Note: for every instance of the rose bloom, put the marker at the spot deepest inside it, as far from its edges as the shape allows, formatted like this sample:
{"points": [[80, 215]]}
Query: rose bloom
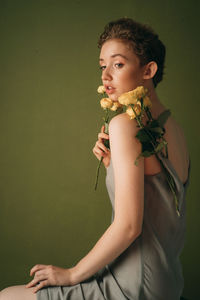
{"points": [[130, 112], [128, 98], [101, 89], [106, 103], [115, 106], [147, 101], [140, 91]]}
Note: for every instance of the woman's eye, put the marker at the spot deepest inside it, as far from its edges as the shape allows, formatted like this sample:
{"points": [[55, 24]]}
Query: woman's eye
{"points": [[102, 67], [119, 65]]}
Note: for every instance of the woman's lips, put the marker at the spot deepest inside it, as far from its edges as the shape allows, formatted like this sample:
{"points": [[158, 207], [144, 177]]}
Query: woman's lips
{"points": [[110, 90]]}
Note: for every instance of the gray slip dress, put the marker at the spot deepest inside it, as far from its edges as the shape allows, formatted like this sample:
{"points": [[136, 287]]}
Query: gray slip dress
{"points": [[149, 269]]}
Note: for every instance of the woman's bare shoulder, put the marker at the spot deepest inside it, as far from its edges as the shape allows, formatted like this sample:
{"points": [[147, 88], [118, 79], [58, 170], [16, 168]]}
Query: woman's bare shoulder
{"points": [[118, 117], [123, 122], [122, 132]]}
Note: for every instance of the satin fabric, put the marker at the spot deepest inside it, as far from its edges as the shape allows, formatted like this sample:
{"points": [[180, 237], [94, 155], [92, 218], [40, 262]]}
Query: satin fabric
{"points": [[149, 269]]}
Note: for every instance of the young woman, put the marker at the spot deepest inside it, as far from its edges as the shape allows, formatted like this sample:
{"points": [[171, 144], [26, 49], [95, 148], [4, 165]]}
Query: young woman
{"points": [[138, 255]]}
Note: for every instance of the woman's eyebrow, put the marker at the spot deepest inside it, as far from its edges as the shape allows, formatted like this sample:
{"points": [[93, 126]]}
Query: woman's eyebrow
{"points": [[114, 55]]}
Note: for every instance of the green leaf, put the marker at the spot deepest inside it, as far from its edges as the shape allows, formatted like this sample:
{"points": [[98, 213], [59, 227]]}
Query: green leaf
{"points": [[147, 147], [156, 129], [146, 153], [154, 124], [160, 146], [162, 118], [142, 136]]}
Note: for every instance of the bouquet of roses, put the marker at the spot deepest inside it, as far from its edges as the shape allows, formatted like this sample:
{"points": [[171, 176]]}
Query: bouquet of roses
{"points": [[136, 104]]}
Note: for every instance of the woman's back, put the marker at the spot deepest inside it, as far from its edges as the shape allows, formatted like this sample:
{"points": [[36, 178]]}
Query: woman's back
{"points": [[177, 148]]}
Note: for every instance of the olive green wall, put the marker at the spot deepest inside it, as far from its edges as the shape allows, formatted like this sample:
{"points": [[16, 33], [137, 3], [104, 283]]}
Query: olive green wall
{"points": [[50, 117]]}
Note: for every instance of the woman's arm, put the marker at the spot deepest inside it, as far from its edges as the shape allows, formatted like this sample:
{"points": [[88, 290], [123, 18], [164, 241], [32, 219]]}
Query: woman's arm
{"points": [[129, 200]]}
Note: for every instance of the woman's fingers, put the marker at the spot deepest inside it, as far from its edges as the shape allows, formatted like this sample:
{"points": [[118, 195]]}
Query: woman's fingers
{"points": [[102, 147], [33, 282], [41, 285], [36, 268], [100, 153], [39, 276], [49, 275], [102, 135], [102, 128]]}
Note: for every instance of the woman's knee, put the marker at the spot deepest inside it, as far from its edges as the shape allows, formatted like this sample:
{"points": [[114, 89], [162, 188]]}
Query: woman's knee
{"points": [[18, 292], [6, 293]]}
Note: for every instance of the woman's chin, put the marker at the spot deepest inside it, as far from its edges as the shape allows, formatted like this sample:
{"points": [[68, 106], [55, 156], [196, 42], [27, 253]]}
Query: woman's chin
{"points": [[113, 98]]}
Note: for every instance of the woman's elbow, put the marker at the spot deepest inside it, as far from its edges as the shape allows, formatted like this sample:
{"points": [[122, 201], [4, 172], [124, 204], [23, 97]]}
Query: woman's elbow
{"points": [[134, 233], [130, 231]]}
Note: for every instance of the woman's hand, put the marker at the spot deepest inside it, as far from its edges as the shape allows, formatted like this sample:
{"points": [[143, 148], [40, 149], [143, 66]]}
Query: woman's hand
{"points": [[47, 275], [100, 149]]}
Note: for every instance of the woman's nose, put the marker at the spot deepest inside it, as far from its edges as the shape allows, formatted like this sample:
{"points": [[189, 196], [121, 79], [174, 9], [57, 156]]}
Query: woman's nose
{"points": [[106, 74]]}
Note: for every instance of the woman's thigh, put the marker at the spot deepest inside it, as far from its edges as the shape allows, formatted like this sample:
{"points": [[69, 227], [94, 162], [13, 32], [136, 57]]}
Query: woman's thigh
{"points": [[18, 292]]}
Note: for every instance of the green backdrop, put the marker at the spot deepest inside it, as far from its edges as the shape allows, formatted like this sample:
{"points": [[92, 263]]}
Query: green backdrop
{"points": [[50, 117]]}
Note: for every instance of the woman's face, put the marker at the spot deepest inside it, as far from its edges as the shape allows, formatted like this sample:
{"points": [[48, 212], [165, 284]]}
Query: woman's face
{"points": [[121, 71]]}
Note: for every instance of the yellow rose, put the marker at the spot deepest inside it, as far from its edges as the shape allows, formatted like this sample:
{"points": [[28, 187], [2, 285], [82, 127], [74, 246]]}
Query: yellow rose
{"points": [[140, 91], [101, 89], [106, 103], [130, 112], [128, 98], [147, 101], [131, 97], [115, 106], [139, 103]]}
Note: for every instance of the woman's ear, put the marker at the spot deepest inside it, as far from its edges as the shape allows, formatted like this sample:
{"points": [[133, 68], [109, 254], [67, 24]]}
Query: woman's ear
{"points": [[150, 70]]}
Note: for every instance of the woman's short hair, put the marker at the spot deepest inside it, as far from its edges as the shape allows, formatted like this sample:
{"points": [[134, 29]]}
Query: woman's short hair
{"points": [[144, 41]]}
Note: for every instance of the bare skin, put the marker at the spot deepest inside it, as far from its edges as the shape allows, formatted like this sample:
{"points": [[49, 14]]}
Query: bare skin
{"points": [[18, 292]]}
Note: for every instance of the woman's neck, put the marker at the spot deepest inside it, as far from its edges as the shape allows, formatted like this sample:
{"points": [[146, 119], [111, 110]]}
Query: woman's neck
{"points": [[157, 106]]}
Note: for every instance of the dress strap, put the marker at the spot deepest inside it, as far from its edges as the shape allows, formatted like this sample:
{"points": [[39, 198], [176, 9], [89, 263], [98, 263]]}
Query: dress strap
{"points": [[167, 163], [180, 186]]}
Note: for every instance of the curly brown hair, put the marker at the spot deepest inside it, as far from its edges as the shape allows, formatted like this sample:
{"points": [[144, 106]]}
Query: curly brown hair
{"points": [[144, 41]]}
